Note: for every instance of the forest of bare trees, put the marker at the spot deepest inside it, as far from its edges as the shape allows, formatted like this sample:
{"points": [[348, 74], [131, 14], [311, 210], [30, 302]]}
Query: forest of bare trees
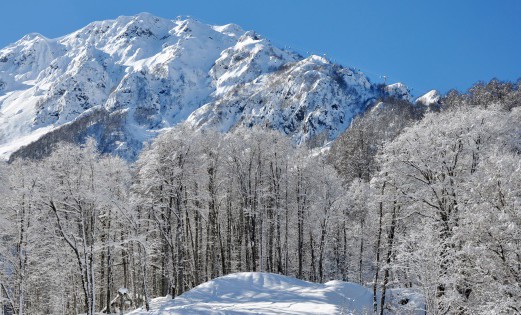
{"points": [[408, 196]]}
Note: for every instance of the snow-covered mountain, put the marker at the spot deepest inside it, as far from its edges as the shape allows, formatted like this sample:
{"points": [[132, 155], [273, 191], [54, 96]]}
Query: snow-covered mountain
{"points": [[265, 293], [122, 81]]}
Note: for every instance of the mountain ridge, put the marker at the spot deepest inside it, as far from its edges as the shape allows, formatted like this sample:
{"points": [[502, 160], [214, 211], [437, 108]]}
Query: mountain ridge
{"points": [[156, 73]]}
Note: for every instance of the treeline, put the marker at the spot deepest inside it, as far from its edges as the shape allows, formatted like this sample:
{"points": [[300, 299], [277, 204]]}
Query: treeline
{"points": [[76, 226], [408, 196], [504, 94], [444, 197]]}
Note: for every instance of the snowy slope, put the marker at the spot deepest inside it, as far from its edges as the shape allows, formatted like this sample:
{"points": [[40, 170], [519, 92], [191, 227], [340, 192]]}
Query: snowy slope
{"points": [[264, 293], [158, 72]]}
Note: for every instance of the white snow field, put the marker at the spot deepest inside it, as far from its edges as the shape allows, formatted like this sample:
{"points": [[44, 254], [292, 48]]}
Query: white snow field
{"points": [[266, 293]]}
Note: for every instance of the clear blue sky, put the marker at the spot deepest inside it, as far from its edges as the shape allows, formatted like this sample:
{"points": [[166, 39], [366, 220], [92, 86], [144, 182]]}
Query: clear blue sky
{"points": [[425, 44]]}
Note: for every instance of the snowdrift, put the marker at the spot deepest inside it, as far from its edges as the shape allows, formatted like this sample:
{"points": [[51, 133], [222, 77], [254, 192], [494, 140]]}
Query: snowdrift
{"points": [[265, 293]]}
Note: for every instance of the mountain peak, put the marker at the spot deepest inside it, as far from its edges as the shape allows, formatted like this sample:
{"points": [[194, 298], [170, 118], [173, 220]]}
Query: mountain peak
{"points": [[316, 59], [33, 36], [399, 90], [142, 17], [133, 76], [147, 16], [233, 30], [429, 98]]}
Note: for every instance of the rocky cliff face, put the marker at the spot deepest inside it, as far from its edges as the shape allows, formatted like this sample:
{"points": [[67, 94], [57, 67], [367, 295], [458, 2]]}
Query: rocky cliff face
{"points": [[143, 74]]}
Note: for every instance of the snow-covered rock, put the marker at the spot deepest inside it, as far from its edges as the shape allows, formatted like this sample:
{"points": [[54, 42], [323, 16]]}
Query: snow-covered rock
{"points": [[265, 293], [154, 73], [399, 90], [432, 97], [123, 291]]}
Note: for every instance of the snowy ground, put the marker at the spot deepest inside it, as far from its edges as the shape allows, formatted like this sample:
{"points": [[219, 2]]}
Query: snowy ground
{"points": [[264, 293]]}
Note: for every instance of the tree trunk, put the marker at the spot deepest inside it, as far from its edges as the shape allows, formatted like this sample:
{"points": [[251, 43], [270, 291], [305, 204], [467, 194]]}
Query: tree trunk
{"points": [[390, 241], [378, 242]]}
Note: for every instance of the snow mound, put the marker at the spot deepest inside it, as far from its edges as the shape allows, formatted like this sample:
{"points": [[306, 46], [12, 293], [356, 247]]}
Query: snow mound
{"points": [[265, 293]]}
